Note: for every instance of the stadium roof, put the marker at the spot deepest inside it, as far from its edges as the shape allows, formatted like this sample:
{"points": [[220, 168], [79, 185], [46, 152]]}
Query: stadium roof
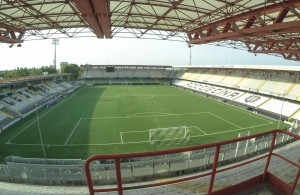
{"points": [[259, 26], [18, 80]]}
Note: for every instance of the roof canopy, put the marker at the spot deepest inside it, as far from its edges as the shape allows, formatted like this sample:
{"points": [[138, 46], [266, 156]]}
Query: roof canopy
{"points": [[259, 26]]}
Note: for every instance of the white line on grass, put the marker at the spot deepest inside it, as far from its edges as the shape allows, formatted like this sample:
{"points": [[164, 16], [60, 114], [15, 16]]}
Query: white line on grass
{"points": [[119, 143], [225, 120], [121, 133], [26, 127], [72, 131], [136, 114], [134, 131], [235, 108], [199, 129], [222, 132], [161, 115]]}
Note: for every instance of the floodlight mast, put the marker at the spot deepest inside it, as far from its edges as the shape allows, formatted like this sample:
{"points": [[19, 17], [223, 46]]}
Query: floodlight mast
{"points": [[280, 116], [55, 42], [190, 46], [39, 128]]}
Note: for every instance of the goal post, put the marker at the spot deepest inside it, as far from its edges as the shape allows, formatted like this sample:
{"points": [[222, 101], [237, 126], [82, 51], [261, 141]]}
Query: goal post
{"points": [[169, 135]]}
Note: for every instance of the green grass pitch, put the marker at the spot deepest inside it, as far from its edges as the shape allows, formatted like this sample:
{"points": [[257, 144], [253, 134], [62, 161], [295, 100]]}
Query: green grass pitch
{"points": [[117, 119]]}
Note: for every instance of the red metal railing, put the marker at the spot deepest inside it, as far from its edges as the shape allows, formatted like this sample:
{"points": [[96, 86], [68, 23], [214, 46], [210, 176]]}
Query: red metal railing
{"points": [[272, 179]]}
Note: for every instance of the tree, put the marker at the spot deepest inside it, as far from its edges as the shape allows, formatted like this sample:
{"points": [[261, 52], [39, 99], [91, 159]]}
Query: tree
{"points": [[71, 68], [50, 69], [35, 72]]}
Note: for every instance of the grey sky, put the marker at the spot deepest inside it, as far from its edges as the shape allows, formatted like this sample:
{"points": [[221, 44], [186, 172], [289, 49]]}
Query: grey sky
{"points": [[126, 51]]}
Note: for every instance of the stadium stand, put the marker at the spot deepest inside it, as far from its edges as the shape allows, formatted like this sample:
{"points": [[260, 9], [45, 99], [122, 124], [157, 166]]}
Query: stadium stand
{"points": [[216, 78], [275, 87], [282, 107], [294, 92], [221, 84], [128, 75], [264, 82], [231, 80], [16, 104], [268, 105]]}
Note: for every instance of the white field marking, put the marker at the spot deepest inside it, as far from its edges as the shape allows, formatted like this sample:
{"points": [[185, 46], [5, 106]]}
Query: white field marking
{"points": [[222, 132], [121, 133], [26, 127], [199, 129], [121, 137], [225, 120], [116, 96], [169, 139], [115, 117], [133, 131], [119, 143], [116, 143], [136, 114], [72, 131], [236, 108]]}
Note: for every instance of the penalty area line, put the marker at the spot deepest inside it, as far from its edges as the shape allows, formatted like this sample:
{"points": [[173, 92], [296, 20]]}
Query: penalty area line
{"points": [[72, 132], [199, 129]]}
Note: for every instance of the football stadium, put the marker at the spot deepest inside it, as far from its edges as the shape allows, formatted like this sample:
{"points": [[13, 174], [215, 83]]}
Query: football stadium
{"points": [[150, 129]]}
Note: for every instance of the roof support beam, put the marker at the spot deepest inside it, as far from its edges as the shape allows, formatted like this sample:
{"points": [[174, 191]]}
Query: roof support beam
{"points": [[258, 12], [257, 31], [11, 35], [174, 5], [291, 51], [86, 8], [101, 8]]}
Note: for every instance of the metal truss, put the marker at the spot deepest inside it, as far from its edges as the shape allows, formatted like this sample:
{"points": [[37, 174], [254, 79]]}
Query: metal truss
{"points": [[273, 29], [260, 26]]}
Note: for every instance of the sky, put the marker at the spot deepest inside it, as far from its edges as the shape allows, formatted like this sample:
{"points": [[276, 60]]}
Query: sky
{"points": [[128, 51]]}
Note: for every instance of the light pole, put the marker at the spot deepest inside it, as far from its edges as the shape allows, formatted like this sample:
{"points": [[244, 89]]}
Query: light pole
{"points": [[39, 128], [280, 117], [55, 42], [190, 46]]}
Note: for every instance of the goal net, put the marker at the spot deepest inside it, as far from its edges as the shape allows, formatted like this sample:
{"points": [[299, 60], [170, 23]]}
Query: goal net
{"points": [[169, 135]]}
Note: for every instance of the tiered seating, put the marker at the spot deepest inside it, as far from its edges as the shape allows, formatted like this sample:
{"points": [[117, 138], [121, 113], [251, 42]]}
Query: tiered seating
{"points": [[186, 75], [216, 78], [157, 74], [273, 106], [34, 97], [209, 89], [4, 118], [141, 73], [66, 85], [252, 100], [203, 77], [233, 79], [250, 83], [275, 87], [46, 90], [126, 73], [15, 103], [279, 107], [194, 76], [56, 86], [295, 91], [178, 74], [20, 102]]}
